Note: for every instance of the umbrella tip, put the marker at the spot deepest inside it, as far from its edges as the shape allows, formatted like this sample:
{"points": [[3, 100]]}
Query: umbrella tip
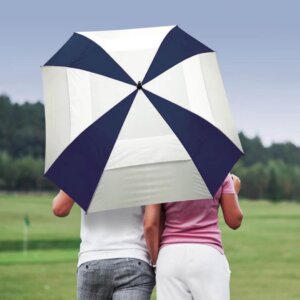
{"points": [[139, 85]]}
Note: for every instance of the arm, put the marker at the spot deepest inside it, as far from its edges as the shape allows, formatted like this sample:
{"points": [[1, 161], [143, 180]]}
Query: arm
{"points": [[62, 204], [232, 211], [152, 229]]}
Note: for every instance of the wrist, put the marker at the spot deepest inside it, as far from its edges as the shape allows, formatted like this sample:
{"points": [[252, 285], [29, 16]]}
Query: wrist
{"points": [[153, 265]]}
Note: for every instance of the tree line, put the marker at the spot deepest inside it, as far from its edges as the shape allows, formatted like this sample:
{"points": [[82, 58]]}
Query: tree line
{"points": [[269, 172], [266, 172]]}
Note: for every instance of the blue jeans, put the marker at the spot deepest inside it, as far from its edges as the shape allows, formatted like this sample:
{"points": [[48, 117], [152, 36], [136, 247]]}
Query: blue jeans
{"points": [[115, 279]]}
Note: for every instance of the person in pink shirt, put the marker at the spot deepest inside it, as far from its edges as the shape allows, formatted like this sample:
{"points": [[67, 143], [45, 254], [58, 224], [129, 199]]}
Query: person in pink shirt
{"points": [[184, 241]]}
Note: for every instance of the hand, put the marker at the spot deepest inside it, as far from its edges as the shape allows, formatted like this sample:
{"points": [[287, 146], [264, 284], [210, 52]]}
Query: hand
{"points": [[62, 204], [236, 182]]}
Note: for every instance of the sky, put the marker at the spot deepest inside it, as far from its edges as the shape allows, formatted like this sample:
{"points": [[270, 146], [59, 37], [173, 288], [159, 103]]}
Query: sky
{"points": [[257, 45]]}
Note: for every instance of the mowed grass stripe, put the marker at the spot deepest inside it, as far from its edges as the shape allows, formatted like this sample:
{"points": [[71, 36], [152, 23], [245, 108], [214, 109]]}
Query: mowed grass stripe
{"points": [[39, 244]]}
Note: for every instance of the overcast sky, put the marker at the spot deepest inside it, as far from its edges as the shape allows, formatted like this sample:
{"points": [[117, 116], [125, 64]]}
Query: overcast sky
{"points": [[257, 44]]}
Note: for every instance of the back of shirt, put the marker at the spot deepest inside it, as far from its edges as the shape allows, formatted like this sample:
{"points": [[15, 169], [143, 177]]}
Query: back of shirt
{"points": [[195, 221], [112, 234]]}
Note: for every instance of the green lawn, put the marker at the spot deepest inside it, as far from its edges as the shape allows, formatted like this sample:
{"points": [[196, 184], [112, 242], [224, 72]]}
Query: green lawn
{"points": [[264, 254]]}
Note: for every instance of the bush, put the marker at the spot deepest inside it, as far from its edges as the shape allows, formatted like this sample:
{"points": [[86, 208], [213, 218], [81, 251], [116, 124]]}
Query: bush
{"points": [[22, 174]]}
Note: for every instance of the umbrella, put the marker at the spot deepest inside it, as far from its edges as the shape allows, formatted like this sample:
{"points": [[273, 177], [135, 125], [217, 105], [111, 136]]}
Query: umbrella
{"points": [[136, 116]]}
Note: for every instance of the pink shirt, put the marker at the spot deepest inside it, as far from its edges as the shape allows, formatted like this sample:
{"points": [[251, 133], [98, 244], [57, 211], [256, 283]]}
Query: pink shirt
{"points": [[195, 221]]}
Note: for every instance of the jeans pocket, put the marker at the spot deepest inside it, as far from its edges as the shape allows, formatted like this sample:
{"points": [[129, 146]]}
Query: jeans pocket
{"points": [[147, 270]]}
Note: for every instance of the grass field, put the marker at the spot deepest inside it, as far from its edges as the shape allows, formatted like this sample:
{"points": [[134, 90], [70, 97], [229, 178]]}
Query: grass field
{"points": [[264, 254]]}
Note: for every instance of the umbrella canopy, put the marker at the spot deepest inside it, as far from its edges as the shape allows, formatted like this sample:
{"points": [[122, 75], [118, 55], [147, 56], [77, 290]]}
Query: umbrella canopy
{"points": [[135, 117]]}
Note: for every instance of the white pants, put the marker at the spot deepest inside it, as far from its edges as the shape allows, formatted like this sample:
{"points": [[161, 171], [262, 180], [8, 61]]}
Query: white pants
{"points": [[192, 271]]}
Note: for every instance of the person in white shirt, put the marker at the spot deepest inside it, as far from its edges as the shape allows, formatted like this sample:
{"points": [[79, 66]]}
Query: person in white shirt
{"points": [[113, 258]]}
